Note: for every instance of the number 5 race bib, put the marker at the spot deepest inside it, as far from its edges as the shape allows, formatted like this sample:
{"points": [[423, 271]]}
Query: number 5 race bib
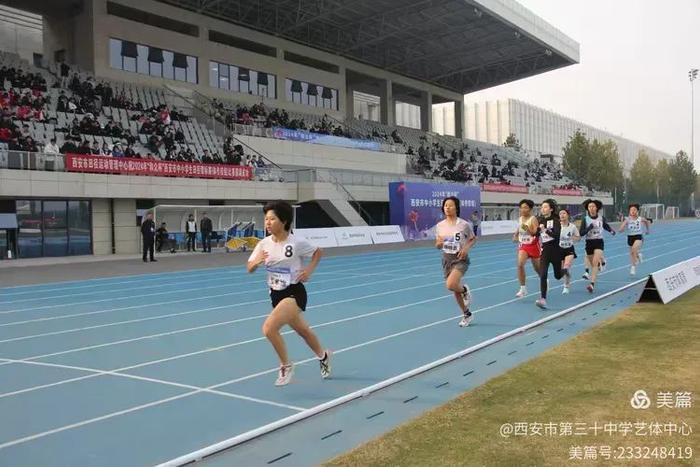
{"points": [[450, 246], [279, 278]]}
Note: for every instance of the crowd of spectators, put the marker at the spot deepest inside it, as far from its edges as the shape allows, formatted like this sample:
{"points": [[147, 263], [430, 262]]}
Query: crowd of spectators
{"points": [[260, 115]]}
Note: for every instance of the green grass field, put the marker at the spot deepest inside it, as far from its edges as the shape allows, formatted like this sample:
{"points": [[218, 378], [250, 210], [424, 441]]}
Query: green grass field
{"points": [[588, 379]]}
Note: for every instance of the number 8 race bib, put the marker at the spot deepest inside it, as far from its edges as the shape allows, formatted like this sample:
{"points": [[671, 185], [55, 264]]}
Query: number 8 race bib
{"points": [[279, 278]]}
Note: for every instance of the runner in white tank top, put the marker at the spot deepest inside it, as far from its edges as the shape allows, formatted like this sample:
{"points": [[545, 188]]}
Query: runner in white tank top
{"points": [[455, 237], [635, 225], [568, 236]]}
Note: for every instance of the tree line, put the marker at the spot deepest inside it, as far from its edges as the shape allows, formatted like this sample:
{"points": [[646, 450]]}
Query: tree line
{"points": [[597, 165]]}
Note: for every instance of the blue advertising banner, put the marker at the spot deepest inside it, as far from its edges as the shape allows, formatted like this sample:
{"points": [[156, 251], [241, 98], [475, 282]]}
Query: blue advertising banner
{"points": [[329, 140], [417, 207]]}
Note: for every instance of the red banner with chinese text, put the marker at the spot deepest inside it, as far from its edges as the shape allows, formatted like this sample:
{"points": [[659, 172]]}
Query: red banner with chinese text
{"points": [[157, 168]]}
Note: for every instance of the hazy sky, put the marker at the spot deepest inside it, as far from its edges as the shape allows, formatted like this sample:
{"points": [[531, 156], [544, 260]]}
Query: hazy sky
{"points": [[633, 76]]}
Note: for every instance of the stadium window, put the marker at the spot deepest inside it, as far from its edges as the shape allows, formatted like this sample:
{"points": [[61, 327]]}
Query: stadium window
{"points": [[152, 61], [310, 94], [223, 77], [243, 80]]}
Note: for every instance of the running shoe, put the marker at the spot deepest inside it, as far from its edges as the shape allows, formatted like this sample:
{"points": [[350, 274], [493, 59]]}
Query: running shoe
{"points": [[589, 287], [542, 303], [325, 364], [633, 271], [285, 374], [565, 290], [522, 292], [466, 319], [586, 276]]}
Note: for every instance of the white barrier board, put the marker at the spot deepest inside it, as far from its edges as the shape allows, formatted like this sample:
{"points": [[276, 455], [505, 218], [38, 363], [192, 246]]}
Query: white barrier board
{"points": [[498, 227], [321, 238], [386, 234], [676, 280], [349, 236]]}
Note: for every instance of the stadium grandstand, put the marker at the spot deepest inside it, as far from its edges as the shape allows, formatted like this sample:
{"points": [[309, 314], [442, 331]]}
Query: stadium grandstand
{"points": [[219, 83]]}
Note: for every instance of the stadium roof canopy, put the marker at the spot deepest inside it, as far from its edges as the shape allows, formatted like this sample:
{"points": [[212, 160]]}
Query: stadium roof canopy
{"points": [[460, 45]]}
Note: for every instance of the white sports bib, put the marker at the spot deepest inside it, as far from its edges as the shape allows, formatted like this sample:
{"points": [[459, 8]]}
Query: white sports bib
{"points": [[279, 278]]}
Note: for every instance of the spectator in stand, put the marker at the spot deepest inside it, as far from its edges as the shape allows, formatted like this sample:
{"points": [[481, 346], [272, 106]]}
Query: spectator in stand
{"points": [[84, 148], [104, 151], [69, 147], [117, 151], [95, 149], [52, 147]]}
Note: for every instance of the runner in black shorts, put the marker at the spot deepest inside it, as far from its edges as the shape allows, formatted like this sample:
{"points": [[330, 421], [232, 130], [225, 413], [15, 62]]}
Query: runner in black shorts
{"points": [[568, 236], [635, 224], [282, 254]]}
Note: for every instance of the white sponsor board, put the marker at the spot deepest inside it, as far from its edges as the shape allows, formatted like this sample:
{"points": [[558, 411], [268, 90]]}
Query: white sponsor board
{"points": [[349, 236], [498, 227], [322, 238], [676, 280], [386, 234]]}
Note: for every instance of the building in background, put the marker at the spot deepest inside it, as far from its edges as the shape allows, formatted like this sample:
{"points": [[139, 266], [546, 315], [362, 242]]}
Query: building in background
{"points": [[541, 130]]}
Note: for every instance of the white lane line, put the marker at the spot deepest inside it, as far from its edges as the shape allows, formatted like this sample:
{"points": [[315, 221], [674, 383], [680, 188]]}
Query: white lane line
{"points": [[95, 372], [233, 271], [390, 265], [235, 344], [162, 401]]}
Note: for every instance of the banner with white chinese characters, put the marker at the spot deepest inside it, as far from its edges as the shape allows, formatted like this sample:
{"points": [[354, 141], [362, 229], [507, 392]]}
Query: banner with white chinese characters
{"points": [[157, 168], [417, 207], [676, 280], [321, 238], [328, 140]]}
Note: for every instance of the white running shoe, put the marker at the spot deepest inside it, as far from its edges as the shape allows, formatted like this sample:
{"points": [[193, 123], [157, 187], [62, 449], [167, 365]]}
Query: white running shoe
{"points": [[586, 276], [466, 319], [633, 271], [285, 374], [565, 290], [522, 292], [466, 296], [542, 303], [325, 365]]}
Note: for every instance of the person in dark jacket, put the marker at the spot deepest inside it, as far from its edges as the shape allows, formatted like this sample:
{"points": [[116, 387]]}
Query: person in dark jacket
{"points": [[148, 232], [205, 227]]}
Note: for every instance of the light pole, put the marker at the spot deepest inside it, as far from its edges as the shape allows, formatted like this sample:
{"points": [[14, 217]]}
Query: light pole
{"points": [[692, 75]]}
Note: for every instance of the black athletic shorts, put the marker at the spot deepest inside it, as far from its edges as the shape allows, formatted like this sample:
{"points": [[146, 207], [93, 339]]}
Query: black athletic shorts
{"points": [[595, 244], [568, 251], [633, 238], [296, 291]]}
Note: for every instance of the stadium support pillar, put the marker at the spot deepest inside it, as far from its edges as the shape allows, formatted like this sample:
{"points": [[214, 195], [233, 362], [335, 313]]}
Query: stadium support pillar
{"points": [[349, 101], [126, 233], [459, 118], [387, 104], [426, 111]]}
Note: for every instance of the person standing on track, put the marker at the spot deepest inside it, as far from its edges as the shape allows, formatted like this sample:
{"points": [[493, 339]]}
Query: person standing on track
{"points": [[635, 225], [282, 254], [550, 229], [455, 237], [527, 237], [567, 237], [592, 226], [148, 236]]}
